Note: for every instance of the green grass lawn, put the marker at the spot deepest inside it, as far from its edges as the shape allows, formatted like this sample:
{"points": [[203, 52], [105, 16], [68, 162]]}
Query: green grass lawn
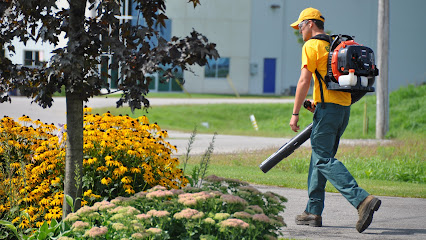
{"points": [[407, 117], [397, 169]]}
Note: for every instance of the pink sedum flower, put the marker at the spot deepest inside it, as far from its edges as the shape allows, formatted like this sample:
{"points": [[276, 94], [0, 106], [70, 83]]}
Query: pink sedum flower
{"points": [[143, 216], [154, 230], [104, 205], [234, 223], [79, 225], [242, 215], [261, 218], [159, 194], [155, 213], [96, 232], [139, 236], [188, 213], [231, 199]]}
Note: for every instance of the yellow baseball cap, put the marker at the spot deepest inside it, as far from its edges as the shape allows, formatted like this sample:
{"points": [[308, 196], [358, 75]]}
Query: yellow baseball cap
{"points": [[308, 13]]}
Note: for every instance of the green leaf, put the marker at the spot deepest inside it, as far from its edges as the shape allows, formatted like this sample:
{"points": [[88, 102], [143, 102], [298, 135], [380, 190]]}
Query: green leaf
{"points": [[44, 227], [53, 223], [10, 226], [42, 236], [70, 202]]}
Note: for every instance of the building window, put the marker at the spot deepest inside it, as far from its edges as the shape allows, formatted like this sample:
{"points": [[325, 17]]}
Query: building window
{"points": [[217, 68], [110, 71], [32, 58], [126, 8]]}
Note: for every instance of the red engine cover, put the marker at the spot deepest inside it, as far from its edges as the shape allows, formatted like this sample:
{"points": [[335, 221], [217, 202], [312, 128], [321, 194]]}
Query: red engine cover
{"points": [[334, 66]]}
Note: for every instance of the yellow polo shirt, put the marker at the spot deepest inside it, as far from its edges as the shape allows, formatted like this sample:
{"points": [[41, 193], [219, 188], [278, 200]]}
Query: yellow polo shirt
{"points": [[315, 56]]}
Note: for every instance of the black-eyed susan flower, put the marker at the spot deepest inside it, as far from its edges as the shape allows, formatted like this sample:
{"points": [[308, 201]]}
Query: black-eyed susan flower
{"points": [[135, 170], [123, 150], [126, 180], [106, 181], [102, 169]]}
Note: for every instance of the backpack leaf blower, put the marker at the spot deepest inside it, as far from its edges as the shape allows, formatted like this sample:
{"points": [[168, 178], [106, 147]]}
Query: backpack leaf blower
{"points": [[350, 68]]}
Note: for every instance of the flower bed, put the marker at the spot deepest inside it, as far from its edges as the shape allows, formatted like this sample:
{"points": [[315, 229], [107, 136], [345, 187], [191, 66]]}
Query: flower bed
{"points": [[221, 209], [122, 156]]}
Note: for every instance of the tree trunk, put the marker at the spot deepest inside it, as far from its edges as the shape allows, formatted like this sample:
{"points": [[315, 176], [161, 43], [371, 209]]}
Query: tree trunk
{"points": [[74, 102], [382, 107], [74, 151]]}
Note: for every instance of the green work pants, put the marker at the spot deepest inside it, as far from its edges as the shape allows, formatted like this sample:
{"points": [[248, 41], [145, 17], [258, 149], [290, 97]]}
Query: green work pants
{"points": [[328, 126]]}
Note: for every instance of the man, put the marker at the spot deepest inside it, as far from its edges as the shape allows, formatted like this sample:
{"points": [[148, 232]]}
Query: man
{"points": [[330, 119]]}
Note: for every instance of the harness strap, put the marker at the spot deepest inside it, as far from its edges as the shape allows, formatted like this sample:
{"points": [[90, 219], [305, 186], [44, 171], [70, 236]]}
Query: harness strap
{"points": [[320, 80], [328, 39]]}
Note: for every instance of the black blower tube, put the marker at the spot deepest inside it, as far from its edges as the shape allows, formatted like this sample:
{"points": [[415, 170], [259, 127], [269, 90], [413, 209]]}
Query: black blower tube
{"points": [[286, 149]]}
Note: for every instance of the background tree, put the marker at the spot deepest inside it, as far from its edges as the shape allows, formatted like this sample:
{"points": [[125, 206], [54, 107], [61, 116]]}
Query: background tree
{"points": [[138, 51]]}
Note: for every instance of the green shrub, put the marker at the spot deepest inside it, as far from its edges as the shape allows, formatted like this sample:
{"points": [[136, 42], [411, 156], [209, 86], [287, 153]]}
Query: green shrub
{"points": [[221, 209]]}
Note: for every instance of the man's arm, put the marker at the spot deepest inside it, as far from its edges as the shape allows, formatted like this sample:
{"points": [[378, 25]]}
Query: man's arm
{"points": [[301, 93]]}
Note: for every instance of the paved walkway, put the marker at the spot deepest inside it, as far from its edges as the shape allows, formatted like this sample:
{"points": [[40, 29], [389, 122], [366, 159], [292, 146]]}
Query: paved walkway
{"points": [[398, 218]]}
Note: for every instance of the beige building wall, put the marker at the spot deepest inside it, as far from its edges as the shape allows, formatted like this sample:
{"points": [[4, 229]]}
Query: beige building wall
{"points": [[226, 23]]}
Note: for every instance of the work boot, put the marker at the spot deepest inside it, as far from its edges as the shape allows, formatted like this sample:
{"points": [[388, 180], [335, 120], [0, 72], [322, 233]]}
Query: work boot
{"points": [[365, 211], [309, 219]]}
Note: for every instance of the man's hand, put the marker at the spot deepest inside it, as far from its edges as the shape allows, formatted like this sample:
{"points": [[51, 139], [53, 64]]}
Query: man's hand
{"points": [[293, 123]]}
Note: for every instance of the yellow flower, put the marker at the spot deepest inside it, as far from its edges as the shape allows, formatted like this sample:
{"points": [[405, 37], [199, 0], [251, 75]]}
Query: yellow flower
{"points": [[15, 165], [88, 145], [24, 223], [163, 134], [45, 201], [131, 152], [25, 119], [3, 208], [135, 170], [130, 191], [38, 122], [87, 193], [87, 109], [143, 119], [56, 202], [102, 169], [148, 177], [123, 169], [16, 219], [57, 180], [119, 171], [106, 181], [113, 163], [126, 180], [31, 210], [92, 161], [141, 148]]}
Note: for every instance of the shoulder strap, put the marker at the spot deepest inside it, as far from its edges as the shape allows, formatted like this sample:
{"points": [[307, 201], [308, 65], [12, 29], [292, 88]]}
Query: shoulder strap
{"points": [[323, 37], [326, 38], [320, 80]]}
